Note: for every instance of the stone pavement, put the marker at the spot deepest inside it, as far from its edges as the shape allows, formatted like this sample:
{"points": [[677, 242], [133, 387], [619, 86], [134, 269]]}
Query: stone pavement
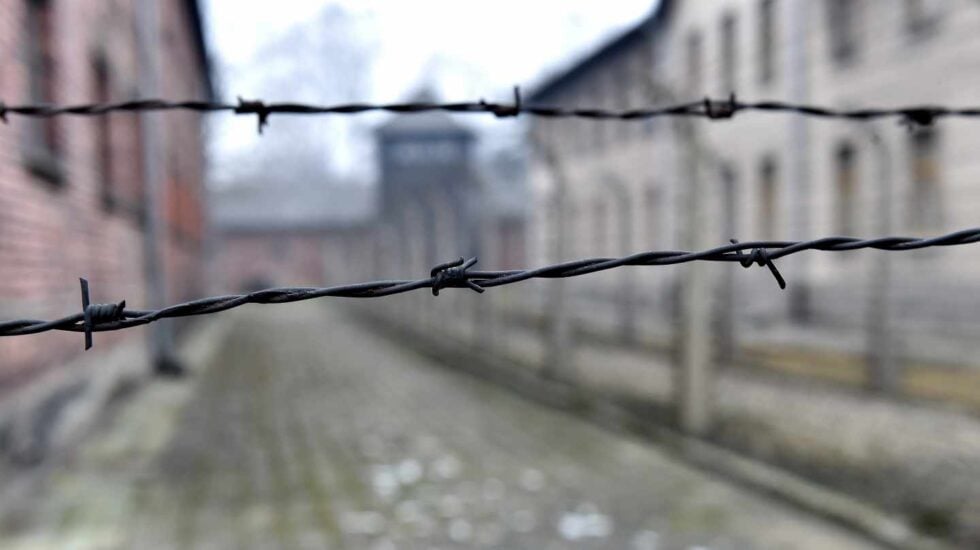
{"points": [[311, 432]]}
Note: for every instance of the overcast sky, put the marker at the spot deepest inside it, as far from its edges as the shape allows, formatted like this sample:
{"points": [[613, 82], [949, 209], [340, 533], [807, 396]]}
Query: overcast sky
{"points": [[471, 49]]}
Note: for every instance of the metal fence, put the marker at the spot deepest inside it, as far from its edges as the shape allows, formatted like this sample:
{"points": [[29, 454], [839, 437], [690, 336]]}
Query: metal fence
{"points": [[458, 274]]}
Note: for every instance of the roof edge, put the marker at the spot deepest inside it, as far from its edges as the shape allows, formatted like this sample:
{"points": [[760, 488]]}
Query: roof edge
{"points": [[638, 31], [203, 59]]}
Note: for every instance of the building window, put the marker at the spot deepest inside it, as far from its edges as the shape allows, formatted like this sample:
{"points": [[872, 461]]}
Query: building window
{"points": [[42, 139], [625, 85], [925, 210], [768, 198], [728, 54], [921, 16], [767, 41], [130, 181], [729, 190], [843, 22], [601, 226], [693, 65], [846, 185], [645, 86], [103, 135], [595, 125], [651, 216]]}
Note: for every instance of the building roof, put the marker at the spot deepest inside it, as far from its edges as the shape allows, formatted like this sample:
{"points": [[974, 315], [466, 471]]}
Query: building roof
{"points": [[594, 58], [291, 206], [203, 58], [429, 122]]}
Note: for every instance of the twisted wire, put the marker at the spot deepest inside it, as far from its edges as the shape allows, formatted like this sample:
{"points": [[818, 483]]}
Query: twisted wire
{"points": [[457, 274], [714, 109]]}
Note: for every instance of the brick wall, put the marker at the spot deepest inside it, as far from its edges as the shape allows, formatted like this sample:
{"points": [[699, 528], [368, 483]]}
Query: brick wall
{"points": [[273, 258], [54, 231]]}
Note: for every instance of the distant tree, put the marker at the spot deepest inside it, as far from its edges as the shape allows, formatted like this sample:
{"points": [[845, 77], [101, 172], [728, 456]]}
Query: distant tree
{"points": [[323, 60]]}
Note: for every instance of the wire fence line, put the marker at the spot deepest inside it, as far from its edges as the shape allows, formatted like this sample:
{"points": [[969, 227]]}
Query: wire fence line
{"points": [[714, 109], [458, 274]]}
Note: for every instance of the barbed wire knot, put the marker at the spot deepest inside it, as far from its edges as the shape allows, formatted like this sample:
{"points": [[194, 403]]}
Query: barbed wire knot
{"points": [[257, 107], [914, 119], [94, 314], [760, 257], [453, 275], [505, 111], [716, 110], [3, 112]]}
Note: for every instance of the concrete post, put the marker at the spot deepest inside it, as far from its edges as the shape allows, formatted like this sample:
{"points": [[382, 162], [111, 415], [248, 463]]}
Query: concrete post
{"points": [[162, 332], [798, 195], [558, 355], [693, 336], [694, 383], [726, 335], [882, 366], [484, 309], [626, 293]]}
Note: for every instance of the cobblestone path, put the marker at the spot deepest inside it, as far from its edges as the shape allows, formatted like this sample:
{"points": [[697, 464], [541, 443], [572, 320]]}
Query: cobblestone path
{"points": [[312, 432]]}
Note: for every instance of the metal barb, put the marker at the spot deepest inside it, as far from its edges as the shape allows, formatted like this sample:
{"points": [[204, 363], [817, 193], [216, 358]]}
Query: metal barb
{"points": [[504, 111], [913, 119], [258, 107], [93, 314], [453, 274], [717, 110], [760, 257]]}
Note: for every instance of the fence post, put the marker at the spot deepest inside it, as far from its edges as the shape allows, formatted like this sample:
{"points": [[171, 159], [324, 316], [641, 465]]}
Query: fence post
{"points": [[484, 320], [882, 367], [694, 381], [163, 359], [558, 334], [726, 337], [627, 277]]}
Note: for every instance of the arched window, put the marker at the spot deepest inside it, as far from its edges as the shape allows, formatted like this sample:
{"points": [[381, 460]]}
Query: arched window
{"points": [[651, 218], [925, 211], [768, 198], [845, 176], [601, 225], [767, 41], [729, 53], [42, 147]]}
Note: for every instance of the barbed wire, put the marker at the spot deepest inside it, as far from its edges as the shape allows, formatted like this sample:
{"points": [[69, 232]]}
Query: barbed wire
{"points": [[714, 109], [458, 274]]}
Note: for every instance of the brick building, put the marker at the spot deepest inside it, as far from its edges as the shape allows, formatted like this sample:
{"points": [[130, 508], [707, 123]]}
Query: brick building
{"points": [[72, 199], [289, 233]]}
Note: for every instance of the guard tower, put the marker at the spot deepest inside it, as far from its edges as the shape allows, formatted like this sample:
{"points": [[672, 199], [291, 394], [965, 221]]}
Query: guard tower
{"points": [[427, 164]]}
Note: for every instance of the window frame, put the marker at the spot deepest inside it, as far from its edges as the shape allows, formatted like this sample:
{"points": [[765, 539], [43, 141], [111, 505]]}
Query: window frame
{"points": [[41, 147], [767, 30]]}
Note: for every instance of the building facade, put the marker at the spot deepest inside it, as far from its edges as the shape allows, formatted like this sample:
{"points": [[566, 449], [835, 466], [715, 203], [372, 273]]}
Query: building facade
{"points": [[428, 183], [289, 233], [768, 176], [72, 190]]}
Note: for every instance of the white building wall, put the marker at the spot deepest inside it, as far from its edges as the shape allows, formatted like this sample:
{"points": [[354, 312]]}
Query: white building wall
{"points": [[891, 67]]}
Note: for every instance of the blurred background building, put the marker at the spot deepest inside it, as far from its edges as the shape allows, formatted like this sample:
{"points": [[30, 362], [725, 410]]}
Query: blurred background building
{"points": [[287, 233], [767, 177]]}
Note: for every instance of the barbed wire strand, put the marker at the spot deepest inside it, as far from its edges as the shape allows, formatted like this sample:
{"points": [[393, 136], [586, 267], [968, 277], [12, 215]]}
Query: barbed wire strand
{"points": [[457, 274], [714, 109]]}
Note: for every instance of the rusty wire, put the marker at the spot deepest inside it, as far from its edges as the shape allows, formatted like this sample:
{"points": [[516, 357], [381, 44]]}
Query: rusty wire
{"points": [[457, 274], [714, 109]]}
